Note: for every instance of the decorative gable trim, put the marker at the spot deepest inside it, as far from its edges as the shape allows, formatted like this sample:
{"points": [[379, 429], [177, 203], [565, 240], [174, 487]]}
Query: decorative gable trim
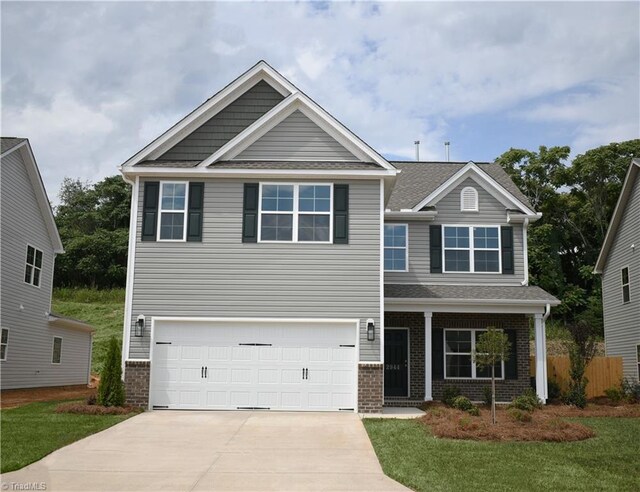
{"points": [[471, 169], [31, 166], [261, 71], [297, 102], [627, 187]]}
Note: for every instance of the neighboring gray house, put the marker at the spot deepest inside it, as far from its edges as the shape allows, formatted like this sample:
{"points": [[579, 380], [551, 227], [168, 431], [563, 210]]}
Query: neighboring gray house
{"points": [[277, 261], [38, 348], [619, 265]]}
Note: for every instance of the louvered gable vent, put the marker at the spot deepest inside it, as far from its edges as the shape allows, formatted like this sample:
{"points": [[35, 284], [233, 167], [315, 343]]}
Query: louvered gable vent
{"points": [[469, 199]]}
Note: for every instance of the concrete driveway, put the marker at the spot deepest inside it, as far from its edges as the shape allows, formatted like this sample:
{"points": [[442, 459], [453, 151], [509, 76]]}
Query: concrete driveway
{"points": [[240, 451]]}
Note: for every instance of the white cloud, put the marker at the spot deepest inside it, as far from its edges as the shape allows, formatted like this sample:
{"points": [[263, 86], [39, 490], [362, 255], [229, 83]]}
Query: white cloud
{"points": [[393, 72]]}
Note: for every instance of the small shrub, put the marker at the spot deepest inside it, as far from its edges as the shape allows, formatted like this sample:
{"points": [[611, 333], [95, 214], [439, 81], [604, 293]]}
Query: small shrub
{"points": [[631, 390], [614, 394], [555, 392], [577, 394], [527, 401], [533, 396], [111, 389], [519, 415], [449, 394], [92, 399], [487, 395], [463, 403]]}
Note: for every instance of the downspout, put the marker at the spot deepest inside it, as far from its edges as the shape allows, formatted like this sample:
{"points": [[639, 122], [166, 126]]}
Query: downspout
{"points": [[525, 247], [547, 312]]}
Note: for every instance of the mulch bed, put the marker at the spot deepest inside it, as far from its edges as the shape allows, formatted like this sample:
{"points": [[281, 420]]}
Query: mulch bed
{"points": [[83, 408], [20, 397], [547, 424]]}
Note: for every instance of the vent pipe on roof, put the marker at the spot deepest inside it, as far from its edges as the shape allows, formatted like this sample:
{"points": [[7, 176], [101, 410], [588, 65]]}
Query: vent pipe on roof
{"points": [[417, 144], [446, 151]]}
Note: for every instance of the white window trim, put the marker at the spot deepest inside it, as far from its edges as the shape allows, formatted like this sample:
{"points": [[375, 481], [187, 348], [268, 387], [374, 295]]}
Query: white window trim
{"points": [[628, 284], [33, 267], [476, 197], [53, 345], [472, 249], [406, 248], [6, 349], [184, 212], [295, 213], [473, 347]]}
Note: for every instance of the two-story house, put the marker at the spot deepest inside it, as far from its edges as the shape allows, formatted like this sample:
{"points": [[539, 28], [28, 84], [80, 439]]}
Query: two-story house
{"points": [[619, 265], [38, 347], [277, 261]]}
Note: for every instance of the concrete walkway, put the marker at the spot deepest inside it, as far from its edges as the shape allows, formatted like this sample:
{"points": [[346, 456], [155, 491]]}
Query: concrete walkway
{"points": [[234, 451]]}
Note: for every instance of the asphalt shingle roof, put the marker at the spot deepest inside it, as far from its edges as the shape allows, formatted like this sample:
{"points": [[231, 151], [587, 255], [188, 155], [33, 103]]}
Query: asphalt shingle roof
{"points": [[477, 292], [417, 180], [346, 165], [7, 143], [179, 164]]}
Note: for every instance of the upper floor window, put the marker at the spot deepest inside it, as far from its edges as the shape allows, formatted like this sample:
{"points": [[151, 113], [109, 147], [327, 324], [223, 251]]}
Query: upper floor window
{"points": [[469, 199], [295, 212], [473, 249], [173, 211], [4, 344], [56, 356], [626, 293], [33, 268], [395, 247]]}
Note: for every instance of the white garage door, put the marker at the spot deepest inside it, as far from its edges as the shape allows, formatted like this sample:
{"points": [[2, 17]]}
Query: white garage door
{"points": [[222, 365]]}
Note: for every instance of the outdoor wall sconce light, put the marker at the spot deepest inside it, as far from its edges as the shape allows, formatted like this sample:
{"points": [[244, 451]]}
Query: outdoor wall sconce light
{"points": [[371, 330], [140, 326]]}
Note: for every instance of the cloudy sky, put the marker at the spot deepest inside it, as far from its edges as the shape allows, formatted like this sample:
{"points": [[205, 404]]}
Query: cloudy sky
{"points": [[91, 83]]}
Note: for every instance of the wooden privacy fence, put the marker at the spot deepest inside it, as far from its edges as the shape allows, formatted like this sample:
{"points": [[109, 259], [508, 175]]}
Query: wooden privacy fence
{"points": [[602, 373]]}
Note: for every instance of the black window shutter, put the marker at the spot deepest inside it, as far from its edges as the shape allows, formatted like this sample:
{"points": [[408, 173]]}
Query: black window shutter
{"points": [[250, 213], [437, 352], [341, 214], [150, 210], [435, 247], [507, 250], [511, 365], [194, 221]]}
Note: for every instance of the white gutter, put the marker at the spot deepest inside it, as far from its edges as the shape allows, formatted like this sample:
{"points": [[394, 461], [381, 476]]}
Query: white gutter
{"points": [[256, 173], [449, 301]]}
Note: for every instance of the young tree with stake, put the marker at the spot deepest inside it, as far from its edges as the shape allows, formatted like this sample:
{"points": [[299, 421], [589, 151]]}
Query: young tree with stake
{"points": [[492, 347]]}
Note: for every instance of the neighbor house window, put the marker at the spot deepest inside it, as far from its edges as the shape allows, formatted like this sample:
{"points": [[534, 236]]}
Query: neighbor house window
{"points": [[626, 293], [469, 199], [33, 268], [459, 346], [474, 249], [395, 247], [295, 213], [173, 212], [4, 344], [57, 350]]}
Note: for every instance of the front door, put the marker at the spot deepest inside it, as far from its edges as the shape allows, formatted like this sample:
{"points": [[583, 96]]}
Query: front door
{"points": [[396, 362]]}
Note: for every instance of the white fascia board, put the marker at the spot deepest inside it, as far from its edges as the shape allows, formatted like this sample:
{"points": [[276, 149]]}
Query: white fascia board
{"points": [[33, 172], [298, 102], [491, 186], [70, 324], [522, 218], [616, 218], [467, 302], [260, 71], [470, 308], [197, 172]]}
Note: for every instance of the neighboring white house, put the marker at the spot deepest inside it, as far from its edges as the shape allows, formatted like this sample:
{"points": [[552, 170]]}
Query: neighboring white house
{"points": [[619, 264], [39, 348]]}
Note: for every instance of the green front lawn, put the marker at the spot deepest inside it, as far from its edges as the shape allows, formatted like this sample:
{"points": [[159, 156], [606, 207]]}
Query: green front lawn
{"points": [[33, 431], [412, 456]]}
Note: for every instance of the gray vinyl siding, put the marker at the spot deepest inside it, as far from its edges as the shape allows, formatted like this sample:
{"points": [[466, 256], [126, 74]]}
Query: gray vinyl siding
{"points": [[225, 125], [296, 138], [622, 321], [24, 307], [223, 277], [491, 212]]}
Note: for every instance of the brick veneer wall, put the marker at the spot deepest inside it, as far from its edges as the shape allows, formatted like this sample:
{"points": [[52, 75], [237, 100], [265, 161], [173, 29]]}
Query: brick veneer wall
{"points": [[415, 323], [370, 388], [136, 382], [474, 389]]}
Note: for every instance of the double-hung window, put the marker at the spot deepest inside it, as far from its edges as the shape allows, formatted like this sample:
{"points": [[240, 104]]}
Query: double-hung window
{"points": [[4, 345], [56, 356], [459, 346], [395, 247], [473, 249], [295, 212], [626, 292], [33, 268], [173, 211]]}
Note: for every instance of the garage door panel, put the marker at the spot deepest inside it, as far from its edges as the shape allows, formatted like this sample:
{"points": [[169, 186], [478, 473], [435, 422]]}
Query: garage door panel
{"points": [[254, 375]]}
